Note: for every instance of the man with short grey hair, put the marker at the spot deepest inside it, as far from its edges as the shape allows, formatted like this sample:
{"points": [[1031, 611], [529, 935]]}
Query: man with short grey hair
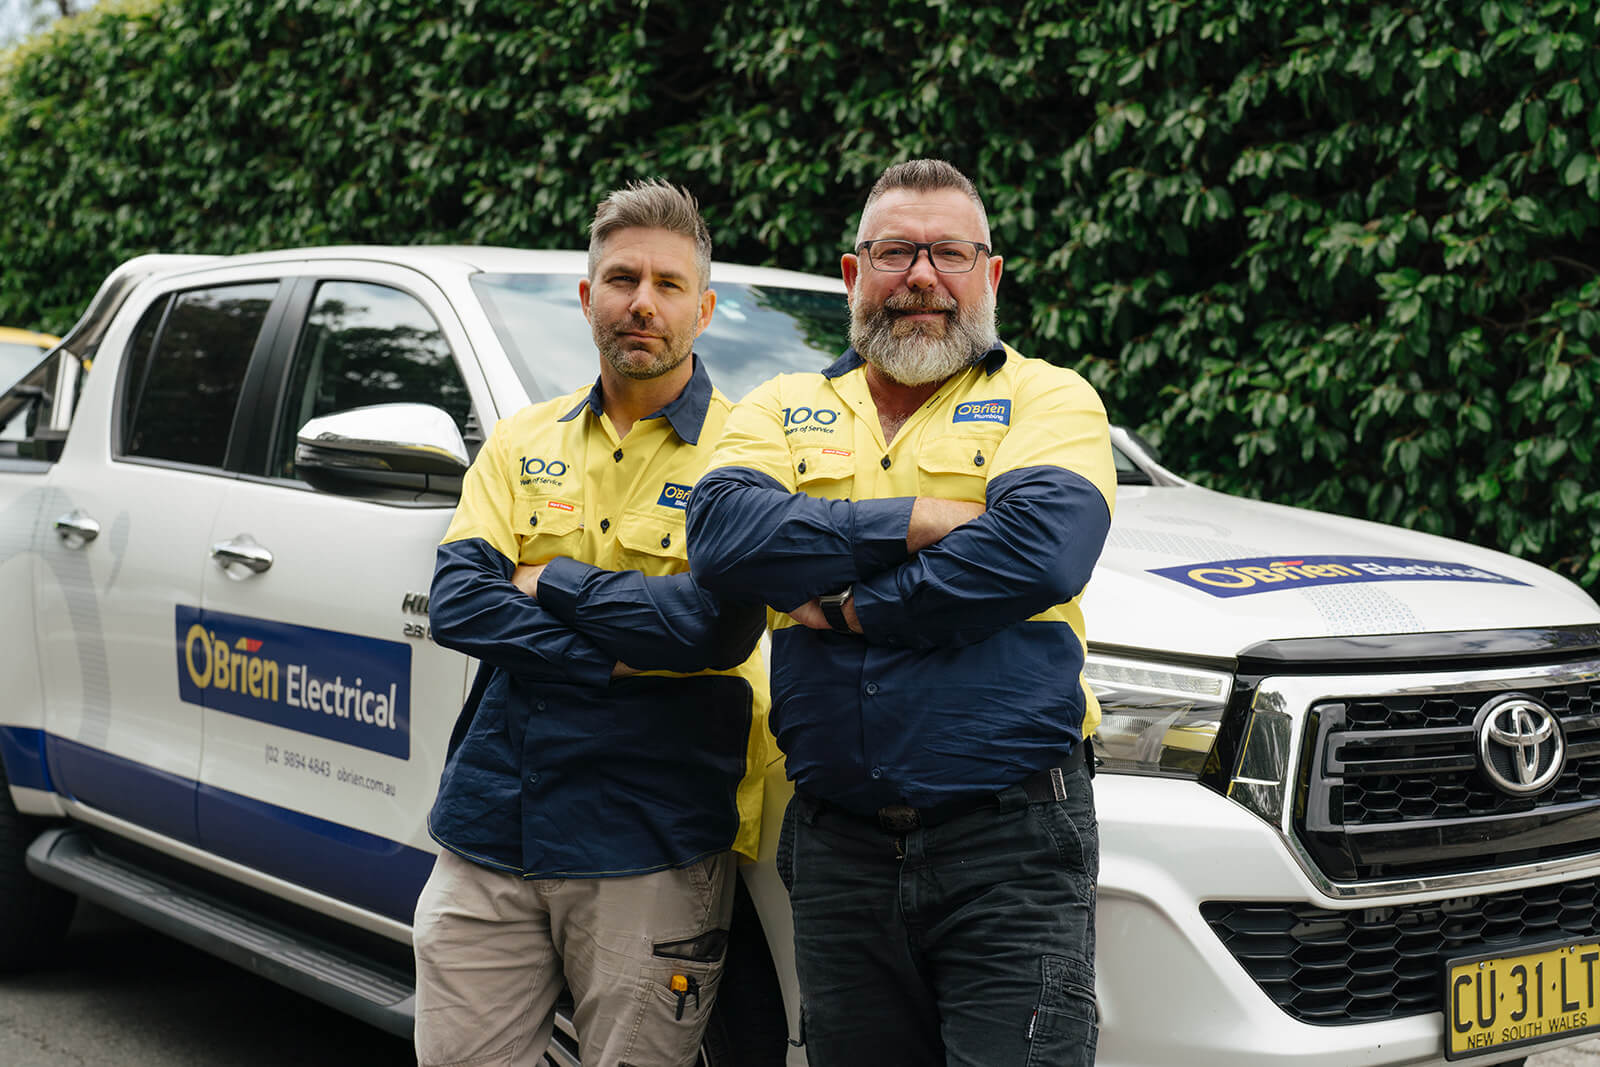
{"points": [[608, 765], [922, 517]]}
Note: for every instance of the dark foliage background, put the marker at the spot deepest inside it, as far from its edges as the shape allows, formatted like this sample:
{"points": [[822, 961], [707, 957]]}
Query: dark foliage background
{"points": [[1332, 253]]}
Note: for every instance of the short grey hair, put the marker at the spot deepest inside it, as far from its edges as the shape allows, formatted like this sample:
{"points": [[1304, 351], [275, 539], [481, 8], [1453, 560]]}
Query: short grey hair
{"points": [[923, 176], [653, 204]]}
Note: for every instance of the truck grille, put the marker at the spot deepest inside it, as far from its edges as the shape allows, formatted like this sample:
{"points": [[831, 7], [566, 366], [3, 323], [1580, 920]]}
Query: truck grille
{"points": [[1345, 967], [1394, 787]]}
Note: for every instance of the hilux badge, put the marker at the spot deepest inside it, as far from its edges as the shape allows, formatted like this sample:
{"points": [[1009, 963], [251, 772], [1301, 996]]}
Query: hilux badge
{"points": [[1520, 744]]}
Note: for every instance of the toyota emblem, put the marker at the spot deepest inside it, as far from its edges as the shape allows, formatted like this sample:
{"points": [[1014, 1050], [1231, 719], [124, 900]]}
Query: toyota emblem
{"points": [[1520, 744]]}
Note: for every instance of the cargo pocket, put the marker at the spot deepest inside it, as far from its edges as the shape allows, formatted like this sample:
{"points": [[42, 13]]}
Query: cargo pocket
{"points": [[957, 468], [547, 527], [1064, 1030], [824, 472], [785, 859], [652, 541]]}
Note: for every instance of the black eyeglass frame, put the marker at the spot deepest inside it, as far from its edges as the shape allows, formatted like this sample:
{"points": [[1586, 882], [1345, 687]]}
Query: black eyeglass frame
{"points": [[919, 247]]}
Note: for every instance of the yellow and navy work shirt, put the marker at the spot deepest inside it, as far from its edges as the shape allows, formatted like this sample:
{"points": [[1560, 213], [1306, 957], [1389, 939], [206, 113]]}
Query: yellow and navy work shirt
{"points": [[969, 674], [563, 771]]}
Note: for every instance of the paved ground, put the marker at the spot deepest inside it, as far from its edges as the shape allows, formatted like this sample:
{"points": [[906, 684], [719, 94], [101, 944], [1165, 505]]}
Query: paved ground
{"points": [[1585, 1055], [124, 996]]}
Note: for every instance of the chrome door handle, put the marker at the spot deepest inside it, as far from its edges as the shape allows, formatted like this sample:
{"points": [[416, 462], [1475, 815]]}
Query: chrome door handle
{"points": [[241, 557], [76, 529]]}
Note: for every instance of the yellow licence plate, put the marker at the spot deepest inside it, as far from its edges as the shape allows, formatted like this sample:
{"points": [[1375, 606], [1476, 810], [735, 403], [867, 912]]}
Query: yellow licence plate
{"points": [[1494, 1002]]}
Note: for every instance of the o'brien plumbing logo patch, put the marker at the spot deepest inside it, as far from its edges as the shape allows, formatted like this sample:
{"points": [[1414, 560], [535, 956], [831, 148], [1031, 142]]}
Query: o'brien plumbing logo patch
{"points": [[335, 685], [1266, 574]]}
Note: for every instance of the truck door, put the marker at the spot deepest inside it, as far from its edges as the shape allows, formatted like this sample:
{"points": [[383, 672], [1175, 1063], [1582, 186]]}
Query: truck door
{"points": [[323, 751], [126, 545]]}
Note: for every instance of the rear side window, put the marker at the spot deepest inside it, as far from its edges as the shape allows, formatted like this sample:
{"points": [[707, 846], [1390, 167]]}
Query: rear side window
{"points": [[181, 391], [365, 344]]}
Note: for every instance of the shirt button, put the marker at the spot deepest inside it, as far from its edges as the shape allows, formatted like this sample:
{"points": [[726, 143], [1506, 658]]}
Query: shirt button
{"points": [[605, 524], [540, 705], [617, 455], [533, 779], [666, 541], [884, 462], [978, 460], [533, 520], [877, 772], [872, 689]]}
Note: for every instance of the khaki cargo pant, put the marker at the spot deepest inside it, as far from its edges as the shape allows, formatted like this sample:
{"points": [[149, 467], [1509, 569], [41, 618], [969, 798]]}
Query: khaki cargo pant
{"points": [[493, 952]]}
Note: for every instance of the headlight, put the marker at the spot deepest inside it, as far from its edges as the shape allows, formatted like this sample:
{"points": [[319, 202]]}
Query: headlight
{"points": [[1156, 718]]}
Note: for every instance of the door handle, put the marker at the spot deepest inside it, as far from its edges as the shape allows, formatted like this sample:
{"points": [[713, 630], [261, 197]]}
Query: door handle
{"points": [[76, 529], [241, 557]]}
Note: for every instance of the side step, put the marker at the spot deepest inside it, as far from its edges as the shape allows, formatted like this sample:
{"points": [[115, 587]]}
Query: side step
{"points": [[68, 858]]}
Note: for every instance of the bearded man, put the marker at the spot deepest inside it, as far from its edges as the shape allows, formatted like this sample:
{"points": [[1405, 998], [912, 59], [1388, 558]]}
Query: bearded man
{"points": [[609, 762], [921, 518]]}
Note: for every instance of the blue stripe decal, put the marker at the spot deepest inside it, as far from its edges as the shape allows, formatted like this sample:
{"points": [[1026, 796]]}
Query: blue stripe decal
{"points": [[118, 786], [352, 865], [22, 756]]}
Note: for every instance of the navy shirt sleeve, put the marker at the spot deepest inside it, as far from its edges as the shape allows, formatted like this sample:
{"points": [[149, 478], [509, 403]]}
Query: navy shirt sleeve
{"points": [[474, 608], [1035, 546], [651, 622], [749, 535]]}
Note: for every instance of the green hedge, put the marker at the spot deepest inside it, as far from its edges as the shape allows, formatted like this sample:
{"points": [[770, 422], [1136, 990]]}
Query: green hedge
{"points": [[1333, 253]]}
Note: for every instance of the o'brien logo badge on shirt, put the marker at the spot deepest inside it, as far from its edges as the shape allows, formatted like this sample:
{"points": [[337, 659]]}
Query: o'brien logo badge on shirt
{"points": [[984, 411], [560, 505], [674, 495], [1264, 574], [340, 686]]}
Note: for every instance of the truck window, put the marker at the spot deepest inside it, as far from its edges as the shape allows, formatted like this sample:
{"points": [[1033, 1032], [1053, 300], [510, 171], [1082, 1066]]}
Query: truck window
{"points": [[367, 344], [179, 394]]}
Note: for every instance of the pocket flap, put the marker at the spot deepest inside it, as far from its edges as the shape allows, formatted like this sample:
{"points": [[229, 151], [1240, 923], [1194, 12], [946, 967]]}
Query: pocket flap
{"points": [[958, 455], [653, 533], [816, 464], [547, 515]]}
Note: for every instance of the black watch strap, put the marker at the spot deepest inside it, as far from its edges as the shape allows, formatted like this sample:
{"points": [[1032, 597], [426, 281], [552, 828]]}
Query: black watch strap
{"points": [[833, 609]]}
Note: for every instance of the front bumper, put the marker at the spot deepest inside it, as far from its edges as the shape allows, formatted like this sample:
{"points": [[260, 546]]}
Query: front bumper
{"points": [[1171, 992]]}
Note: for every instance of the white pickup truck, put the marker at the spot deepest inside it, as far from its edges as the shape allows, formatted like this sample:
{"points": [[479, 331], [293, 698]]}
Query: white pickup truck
{"points": [[1349, 776]]}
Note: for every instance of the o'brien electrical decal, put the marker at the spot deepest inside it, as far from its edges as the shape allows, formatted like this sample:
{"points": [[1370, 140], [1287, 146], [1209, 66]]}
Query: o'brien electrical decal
{"points": [[1266, 574], [335, 685]]}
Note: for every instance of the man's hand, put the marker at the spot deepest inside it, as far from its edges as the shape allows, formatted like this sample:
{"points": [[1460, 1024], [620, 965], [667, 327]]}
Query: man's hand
{"points": [[932, 517], [526, 578], [810, 615]]}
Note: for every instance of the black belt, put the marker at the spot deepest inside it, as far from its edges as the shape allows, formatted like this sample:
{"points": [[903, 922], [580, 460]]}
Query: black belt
{"points": [[1040, 787]]}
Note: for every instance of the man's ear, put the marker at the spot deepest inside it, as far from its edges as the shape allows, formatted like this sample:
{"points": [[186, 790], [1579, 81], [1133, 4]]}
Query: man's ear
{"points": [[708, 303], [583, 295]]}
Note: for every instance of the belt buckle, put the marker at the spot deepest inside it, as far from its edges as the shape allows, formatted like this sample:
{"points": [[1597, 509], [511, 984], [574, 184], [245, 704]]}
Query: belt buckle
{"points": [[899, 818]]}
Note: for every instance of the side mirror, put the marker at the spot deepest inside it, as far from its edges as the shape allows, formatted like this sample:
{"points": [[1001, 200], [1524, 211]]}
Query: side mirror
{"points": [[390, 451]]}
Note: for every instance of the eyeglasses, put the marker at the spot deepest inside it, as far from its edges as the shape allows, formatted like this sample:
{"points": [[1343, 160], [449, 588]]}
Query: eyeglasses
{"points": [[947, 257]]}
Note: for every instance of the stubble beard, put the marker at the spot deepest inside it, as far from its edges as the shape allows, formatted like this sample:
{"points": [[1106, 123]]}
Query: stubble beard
{"points": [[635, 363], [916, 353]]}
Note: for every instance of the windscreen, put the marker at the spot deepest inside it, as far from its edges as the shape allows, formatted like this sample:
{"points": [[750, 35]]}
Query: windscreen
{"points": [[757, 331]]}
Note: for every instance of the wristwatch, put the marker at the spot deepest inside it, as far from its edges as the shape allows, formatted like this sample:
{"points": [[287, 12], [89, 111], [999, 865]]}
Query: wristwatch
{"points": [[833, 609]]}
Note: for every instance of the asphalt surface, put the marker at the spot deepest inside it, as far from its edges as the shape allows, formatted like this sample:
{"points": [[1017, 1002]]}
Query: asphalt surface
{"points": [[123, 996], [120, 995]]}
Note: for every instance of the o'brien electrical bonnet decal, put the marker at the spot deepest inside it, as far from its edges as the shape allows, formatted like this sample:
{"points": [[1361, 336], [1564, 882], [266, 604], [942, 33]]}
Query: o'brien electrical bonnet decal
{"points": [[1266, 574]]}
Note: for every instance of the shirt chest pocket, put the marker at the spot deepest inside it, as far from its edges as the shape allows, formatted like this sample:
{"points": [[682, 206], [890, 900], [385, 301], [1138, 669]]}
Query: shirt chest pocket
{"points": [[652, 541], [824, 472], [956, 468], [547, 528]]}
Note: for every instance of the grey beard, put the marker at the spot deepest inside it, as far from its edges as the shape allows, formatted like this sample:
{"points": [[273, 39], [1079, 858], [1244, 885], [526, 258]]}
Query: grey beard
{"points": [[904, 353]]}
